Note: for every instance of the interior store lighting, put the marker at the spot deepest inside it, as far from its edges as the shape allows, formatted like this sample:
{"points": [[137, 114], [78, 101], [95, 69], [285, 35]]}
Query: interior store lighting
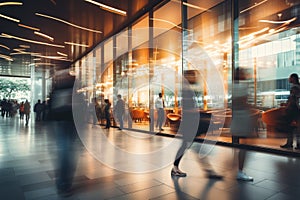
{"points": [[278, 22], [30, 41], [66, 22], [29, 27], [5, 47], [166, 21], [53, 57], [252, 35], [191, 5], [40, 64], [77, 44], [25, 53], [11, 3], [24, 46], [19, 49], [108, 8], [44, 35], [244, 44], [194, 6], [62, 54], [10, 18], [6, 57], [255, 5]]}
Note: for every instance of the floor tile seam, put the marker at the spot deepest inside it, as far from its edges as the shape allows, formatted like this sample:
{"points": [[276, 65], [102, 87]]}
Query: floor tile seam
{"points": [[119, 187], [280, 190], [131, 193], [38, 186], [52, 189], [274, 195], [172, 193]]}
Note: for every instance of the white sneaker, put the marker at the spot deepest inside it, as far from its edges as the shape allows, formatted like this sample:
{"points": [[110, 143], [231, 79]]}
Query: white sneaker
{"points": [[243, 177]]}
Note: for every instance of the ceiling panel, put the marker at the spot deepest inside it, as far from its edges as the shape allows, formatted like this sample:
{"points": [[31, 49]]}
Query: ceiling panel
{"points": [[25, 32]]}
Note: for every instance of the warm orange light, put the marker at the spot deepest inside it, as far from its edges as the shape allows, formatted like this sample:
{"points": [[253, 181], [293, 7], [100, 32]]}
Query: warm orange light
{"points": [[68, 23], [9, 18], [255, 5], [31, 41], [43, 35], [11, 4], [6, 57], [5, 47], [62, 54], [29, 27], [24, 46], [77, 44], [278, 22], [108, 8]]}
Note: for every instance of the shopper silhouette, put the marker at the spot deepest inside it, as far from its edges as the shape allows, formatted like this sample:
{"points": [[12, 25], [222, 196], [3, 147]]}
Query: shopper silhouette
{"points": [[38, 109], [119, 111], [107, 113], [189, 129], [61, 107], [292, 112], [159, 105], [27, 112], [244, 117]]}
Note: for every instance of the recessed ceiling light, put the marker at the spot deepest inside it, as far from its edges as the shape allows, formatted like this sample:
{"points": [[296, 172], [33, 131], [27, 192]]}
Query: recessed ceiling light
{"points": [[77, 44], [43, 35], [10, 18], [68, 23], [31, 41], [29, 27], [108, 8]]}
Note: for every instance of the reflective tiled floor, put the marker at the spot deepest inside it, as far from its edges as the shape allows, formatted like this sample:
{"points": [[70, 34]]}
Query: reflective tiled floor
{"points": [[113, 164]]}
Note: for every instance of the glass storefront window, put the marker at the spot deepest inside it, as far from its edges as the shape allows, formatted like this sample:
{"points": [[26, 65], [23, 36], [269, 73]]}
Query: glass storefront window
{"points": [[153, 54]]}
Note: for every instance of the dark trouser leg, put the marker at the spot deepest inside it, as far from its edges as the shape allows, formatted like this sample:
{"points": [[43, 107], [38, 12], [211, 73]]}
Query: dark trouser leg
{"points": [[107, 122], [120, 119], [180, 153], [289, 140]]}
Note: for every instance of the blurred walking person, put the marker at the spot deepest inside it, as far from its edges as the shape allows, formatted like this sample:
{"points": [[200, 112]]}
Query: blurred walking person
{"points": [[107, 113], [38, 109], [119, 111], [61, 107], [27, 112], [21, 110], [189, 129], [244, 118]]}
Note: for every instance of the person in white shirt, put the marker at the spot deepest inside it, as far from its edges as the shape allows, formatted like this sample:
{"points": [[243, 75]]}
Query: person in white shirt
{"points": [[159, 105]]}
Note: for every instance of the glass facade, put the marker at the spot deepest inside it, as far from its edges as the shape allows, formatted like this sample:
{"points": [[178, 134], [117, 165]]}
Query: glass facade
{"points": [[200, 40]]}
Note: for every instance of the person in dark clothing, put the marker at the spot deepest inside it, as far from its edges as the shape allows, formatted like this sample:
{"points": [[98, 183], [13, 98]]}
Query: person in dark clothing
{"points": [[119, 111], [45, 110], [292, 112], [4, 108], [107, 113], [21, 110], [9, 106], [27, 108], [38, 109], [61, 114], [188, 129]]}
